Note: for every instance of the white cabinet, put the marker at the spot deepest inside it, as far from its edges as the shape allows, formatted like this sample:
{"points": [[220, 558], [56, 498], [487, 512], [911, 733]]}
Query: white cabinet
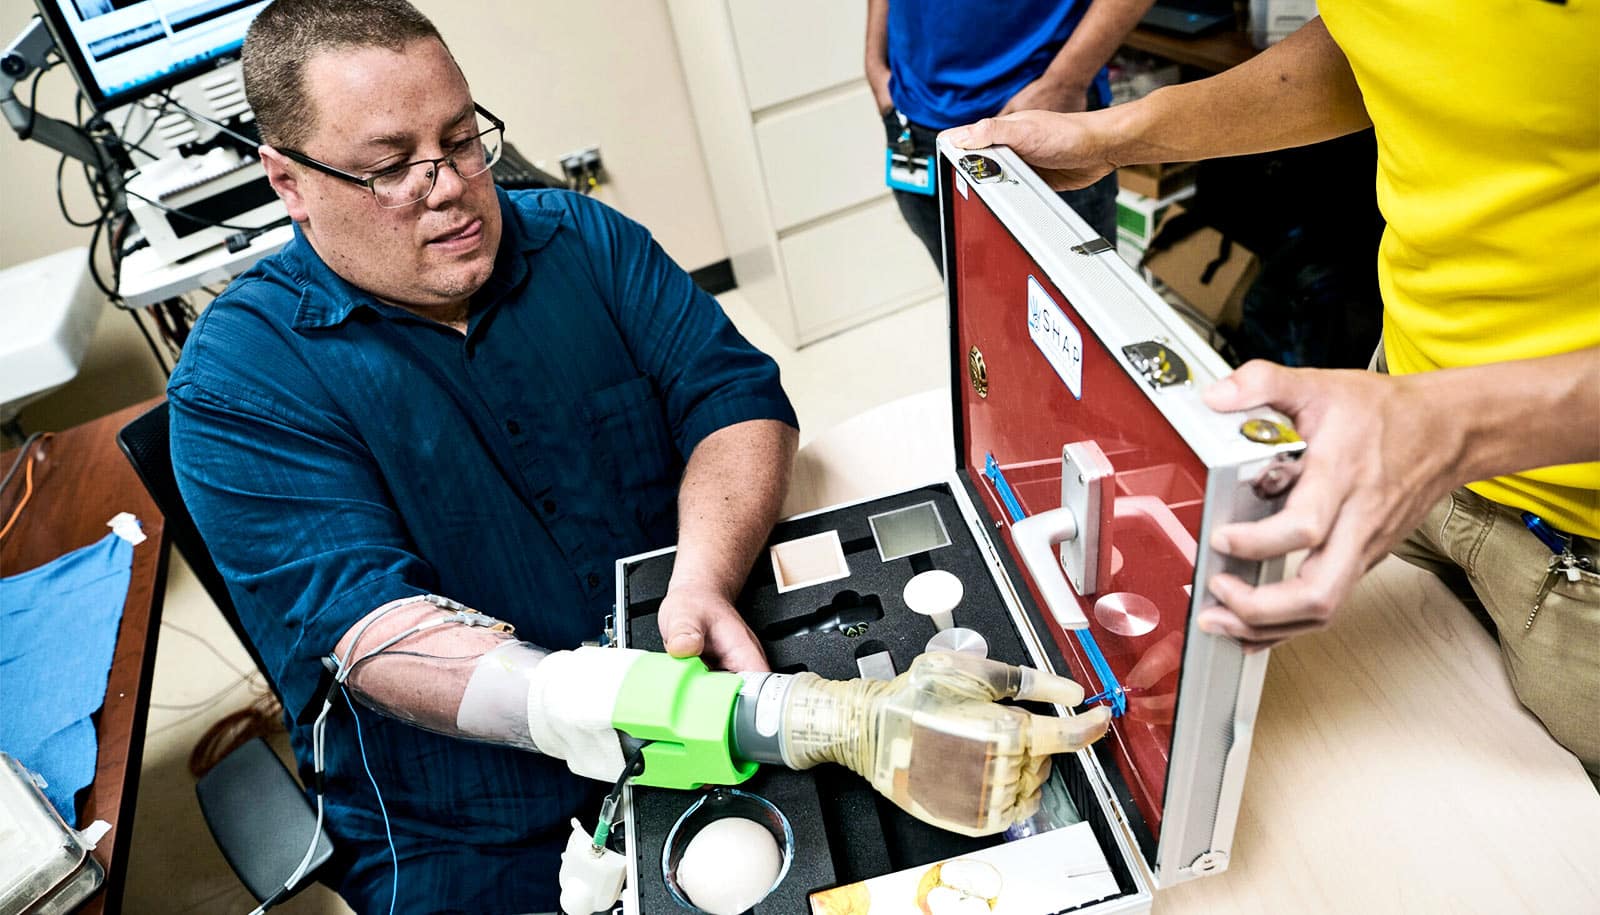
{"points": [[790, 49], [794, 150]]}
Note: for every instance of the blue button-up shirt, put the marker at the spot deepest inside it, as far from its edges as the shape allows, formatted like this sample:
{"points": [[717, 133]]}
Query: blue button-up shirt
{"points": [[338, 453]]}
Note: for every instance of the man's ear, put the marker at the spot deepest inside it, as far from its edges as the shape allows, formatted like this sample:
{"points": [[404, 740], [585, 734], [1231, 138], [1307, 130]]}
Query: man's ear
{"points": [[281, 175]]}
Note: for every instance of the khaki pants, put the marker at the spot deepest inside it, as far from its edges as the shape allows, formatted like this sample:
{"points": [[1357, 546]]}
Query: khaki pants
{"points": [[1497, 567]]}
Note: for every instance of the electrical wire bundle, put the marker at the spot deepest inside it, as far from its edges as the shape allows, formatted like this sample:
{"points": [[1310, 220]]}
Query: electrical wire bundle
{"points": [[105, 177]]}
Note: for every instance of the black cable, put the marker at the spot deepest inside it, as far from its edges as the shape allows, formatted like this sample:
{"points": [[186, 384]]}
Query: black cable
{"points": [[33, 102], [251, 143], [173, 329], [149, 128], [61, 200], [178, 212], [22, 455], [154, 351], [114, 242], [632, 765], [94, 268]]}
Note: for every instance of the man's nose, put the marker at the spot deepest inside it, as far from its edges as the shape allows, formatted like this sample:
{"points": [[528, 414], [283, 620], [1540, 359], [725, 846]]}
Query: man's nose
{"points": [[448, 185]]}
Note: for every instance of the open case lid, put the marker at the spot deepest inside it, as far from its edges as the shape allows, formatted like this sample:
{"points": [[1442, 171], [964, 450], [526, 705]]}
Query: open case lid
{"points": [[1079, 429]]}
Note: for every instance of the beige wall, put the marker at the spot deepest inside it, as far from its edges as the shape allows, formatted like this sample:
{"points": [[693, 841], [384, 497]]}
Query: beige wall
{"points": [[562, 75]]}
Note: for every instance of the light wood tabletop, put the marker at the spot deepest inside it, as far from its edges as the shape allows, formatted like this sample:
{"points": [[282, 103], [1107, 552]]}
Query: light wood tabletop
{"points": [[1393, 769]]}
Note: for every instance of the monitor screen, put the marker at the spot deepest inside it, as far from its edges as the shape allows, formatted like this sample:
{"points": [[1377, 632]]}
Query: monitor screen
{"points": [[122, 50]]}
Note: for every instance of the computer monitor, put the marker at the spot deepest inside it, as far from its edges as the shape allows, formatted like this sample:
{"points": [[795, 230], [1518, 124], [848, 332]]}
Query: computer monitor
{"points": [[123, 50]]}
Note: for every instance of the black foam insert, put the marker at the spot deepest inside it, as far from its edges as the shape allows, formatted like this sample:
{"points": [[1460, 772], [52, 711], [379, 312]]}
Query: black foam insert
{"points": [[844, 830]]}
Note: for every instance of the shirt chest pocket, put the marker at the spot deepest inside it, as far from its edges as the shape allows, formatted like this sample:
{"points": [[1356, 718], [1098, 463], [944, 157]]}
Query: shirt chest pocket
{"points": [[631, 443]]}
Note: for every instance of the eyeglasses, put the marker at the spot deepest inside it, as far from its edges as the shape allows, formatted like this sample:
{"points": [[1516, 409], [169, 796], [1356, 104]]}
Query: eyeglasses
{"points": [[406, 184]]}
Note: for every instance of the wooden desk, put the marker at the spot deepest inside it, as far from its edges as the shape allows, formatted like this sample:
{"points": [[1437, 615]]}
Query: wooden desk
{"points": [[1216, 51], [1393, 769], [81, 482]]}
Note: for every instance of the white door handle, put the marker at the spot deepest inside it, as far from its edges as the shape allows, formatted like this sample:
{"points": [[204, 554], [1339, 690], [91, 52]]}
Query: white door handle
{"points": [[1037, 538]]}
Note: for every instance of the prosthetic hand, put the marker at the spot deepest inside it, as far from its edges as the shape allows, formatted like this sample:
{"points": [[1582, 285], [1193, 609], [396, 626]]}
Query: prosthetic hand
{"points": [[934, 741]]}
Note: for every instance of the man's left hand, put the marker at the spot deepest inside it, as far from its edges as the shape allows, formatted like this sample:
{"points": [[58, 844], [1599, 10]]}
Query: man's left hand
{"points": [[1046, 94], [703, 622]]}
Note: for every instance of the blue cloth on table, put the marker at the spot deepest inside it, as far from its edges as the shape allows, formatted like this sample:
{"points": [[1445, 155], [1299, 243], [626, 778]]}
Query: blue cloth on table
{"points": [[58, 631]]}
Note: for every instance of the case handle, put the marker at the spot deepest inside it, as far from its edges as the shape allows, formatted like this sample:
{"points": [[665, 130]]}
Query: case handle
{"points": [[1037, 538]]}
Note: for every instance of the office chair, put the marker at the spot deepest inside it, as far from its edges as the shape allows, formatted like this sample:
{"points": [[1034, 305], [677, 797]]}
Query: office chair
{"points": [[258, 814]]}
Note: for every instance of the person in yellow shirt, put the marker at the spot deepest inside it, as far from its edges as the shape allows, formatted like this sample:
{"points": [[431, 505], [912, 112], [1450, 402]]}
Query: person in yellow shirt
{"points": [[1478, 455]]}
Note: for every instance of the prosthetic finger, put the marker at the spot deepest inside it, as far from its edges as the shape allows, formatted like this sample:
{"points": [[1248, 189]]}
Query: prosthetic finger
{"points": [[1034, 775], [965, 674], [1027, 806], [1050, 735], [990, 679], [1040, 686]]}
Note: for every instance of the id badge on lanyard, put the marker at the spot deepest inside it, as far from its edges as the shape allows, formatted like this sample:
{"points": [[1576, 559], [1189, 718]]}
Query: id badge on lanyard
{"points": [[903, 169]]}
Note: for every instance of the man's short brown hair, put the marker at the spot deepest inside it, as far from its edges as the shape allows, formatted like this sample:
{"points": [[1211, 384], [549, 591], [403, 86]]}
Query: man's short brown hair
{"points": [[287, 34]]}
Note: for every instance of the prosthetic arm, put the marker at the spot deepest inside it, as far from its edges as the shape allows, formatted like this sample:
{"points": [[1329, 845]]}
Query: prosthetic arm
{"points": [[933, 740]]}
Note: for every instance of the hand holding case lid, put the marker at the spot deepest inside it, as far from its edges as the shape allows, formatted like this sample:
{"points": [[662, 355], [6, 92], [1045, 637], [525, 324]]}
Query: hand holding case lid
{"points": [[1080, 440]]}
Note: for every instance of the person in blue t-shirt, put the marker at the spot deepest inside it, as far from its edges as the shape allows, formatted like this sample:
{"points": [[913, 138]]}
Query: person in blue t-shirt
{"points": [[415, 442], [937, 64]]}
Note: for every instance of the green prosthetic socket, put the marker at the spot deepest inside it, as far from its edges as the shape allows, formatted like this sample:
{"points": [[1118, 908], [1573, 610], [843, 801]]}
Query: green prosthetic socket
{"points": [[686, 711]]}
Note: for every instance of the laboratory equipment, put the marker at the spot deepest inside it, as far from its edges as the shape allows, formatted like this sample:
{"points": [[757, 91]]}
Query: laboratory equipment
{"points": [[120, 52], [201, 183]]}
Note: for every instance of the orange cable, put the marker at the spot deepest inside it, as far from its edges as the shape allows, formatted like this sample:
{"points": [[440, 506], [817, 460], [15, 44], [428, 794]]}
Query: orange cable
{"points": [[27, 491]]}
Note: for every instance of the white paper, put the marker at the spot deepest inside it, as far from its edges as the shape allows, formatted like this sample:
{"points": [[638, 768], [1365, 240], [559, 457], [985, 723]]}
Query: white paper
{"points": [[1039, 875], [127, 527]]}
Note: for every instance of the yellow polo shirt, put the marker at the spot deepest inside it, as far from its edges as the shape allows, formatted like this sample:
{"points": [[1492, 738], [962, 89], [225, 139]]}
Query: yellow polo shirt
{"points": [[1488, 122]]}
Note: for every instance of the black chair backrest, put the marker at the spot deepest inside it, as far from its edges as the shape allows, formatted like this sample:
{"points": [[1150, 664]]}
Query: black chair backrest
{"points": [[145, 443]]}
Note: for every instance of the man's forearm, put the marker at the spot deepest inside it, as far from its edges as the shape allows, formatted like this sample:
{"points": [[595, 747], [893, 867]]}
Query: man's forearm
{"points": [[1297, 92], [877, 57], [1097, 37], [729, 499], [1516, 416], [424, 677], [877, 34]]}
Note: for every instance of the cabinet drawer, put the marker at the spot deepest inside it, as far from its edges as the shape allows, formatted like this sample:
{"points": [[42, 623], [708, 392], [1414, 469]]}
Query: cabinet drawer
{"points": [[791, 49], [854, 267], [822, 155]]}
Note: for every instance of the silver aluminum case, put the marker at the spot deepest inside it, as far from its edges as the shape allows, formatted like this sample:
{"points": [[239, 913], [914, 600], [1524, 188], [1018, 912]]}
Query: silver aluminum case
{"points": [[1220, 687]]}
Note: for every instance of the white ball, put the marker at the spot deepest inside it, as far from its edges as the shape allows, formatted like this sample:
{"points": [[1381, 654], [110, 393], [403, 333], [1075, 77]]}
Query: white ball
{"points": [[729, 866]]}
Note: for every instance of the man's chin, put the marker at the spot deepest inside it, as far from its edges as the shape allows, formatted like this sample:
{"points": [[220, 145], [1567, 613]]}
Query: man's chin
{"points": [[454, 282]]}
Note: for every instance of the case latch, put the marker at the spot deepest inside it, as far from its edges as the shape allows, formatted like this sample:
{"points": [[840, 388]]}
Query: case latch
{"points": [[1158, 362], [981, 169]]}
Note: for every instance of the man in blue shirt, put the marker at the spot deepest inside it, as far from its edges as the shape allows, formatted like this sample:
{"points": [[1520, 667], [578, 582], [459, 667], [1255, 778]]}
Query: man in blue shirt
{"points": [[443, 411], [441, 387], [937, 64]]}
